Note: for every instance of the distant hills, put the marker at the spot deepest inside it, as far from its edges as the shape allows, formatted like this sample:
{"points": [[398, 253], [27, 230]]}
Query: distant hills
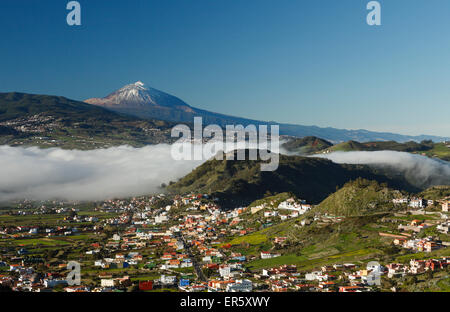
{"points": [[144, 102], [313, 145], [240, 182], [42, 120]]}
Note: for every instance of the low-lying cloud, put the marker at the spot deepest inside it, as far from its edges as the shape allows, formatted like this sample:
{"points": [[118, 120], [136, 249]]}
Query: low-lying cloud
{"points": [[419, 170], [40, 174]]}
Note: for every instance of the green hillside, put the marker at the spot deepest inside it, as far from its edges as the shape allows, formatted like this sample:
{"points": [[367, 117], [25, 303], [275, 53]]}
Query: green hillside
{"points": [[426, 148], [307, 145], [436, 192], [359, 197], [47, 121], [308, 247], [240, 182]]}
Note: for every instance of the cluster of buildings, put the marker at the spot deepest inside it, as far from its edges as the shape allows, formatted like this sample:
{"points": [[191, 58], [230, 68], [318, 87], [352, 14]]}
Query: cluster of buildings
{"points": [[396, 270], [178, 243], [421, 203]]}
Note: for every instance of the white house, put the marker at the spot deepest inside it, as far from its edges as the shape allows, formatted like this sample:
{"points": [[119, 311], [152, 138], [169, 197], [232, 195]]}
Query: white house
{"points": [[312, 276], [107, 282], [168, 280], [240, 286], [268, 255], [417, 203], [225, 272]]}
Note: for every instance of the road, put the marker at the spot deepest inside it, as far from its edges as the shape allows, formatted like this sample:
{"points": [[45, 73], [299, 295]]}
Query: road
{"points": [[197, 268]]}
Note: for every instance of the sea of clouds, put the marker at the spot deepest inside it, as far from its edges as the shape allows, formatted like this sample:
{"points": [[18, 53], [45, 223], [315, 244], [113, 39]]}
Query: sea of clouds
{"points": [[420, 171], [33, 173], [41, 174]]}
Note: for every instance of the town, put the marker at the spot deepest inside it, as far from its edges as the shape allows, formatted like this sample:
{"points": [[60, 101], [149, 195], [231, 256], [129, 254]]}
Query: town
{"points": [[188, 243]]}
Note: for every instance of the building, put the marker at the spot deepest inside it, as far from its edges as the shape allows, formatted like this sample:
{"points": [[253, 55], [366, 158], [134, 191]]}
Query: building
{"points": [[445, 205], [268, 255], [107, 282], [145, 285], [418, 203], [225, 271], [168, 280], [240, 286]]}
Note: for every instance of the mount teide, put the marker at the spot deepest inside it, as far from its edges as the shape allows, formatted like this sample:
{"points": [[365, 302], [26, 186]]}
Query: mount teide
{"points": [[144, 102]]}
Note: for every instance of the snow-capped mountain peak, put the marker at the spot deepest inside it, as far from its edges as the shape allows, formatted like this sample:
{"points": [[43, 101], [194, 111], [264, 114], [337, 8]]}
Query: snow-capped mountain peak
{"points": [[135, 93], [139, 95]]}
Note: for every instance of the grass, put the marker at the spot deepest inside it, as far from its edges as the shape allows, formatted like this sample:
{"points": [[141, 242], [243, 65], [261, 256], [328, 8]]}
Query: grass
{"points": [[304, 262], [252, 239], [40, 241], [145, 277], [443, 285], [443, 252]]}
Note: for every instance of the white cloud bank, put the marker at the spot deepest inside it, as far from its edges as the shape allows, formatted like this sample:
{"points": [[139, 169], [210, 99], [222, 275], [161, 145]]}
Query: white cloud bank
{"points": [[40, 174], [419, 170]]}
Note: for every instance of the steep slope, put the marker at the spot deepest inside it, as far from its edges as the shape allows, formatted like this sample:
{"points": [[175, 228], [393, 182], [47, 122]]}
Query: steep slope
{"points": [[310, 247], [240, 182], [359, 197], [436, 192], [28, 119], [144, 102]]}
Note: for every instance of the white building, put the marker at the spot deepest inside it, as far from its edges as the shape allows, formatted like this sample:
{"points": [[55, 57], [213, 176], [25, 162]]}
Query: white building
{"points": [[312, 276], [225, 272], [107, 282], [168, 280], [268, 255], [417, 203], [161, 218], [240, 286]]}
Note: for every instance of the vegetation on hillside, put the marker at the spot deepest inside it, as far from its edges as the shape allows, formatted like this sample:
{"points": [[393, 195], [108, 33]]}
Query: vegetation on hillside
{"points": [[359, 197], [436, 192], [240, 182], [307, 145], [48, 121], [427, 148]]}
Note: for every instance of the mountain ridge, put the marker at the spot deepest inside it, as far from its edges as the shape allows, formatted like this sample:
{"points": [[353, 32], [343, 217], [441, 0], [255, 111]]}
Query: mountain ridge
{"points": [[173, 109]]}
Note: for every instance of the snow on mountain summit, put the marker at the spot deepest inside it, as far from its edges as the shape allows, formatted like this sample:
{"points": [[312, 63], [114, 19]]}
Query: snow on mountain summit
{"points": [[133, 93], [139, 95]]}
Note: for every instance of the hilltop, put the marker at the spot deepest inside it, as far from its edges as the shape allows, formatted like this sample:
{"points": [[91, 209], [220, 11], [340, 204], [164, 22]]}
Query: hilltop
{"points": [[49, 121], [359, 197], [240, 182], [307, 145]]}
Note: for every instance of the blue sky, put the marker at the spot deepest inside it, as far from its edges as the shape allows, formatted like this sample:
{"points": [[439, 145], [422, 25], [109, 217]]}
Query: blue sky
{"points": [[296, 61]]}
